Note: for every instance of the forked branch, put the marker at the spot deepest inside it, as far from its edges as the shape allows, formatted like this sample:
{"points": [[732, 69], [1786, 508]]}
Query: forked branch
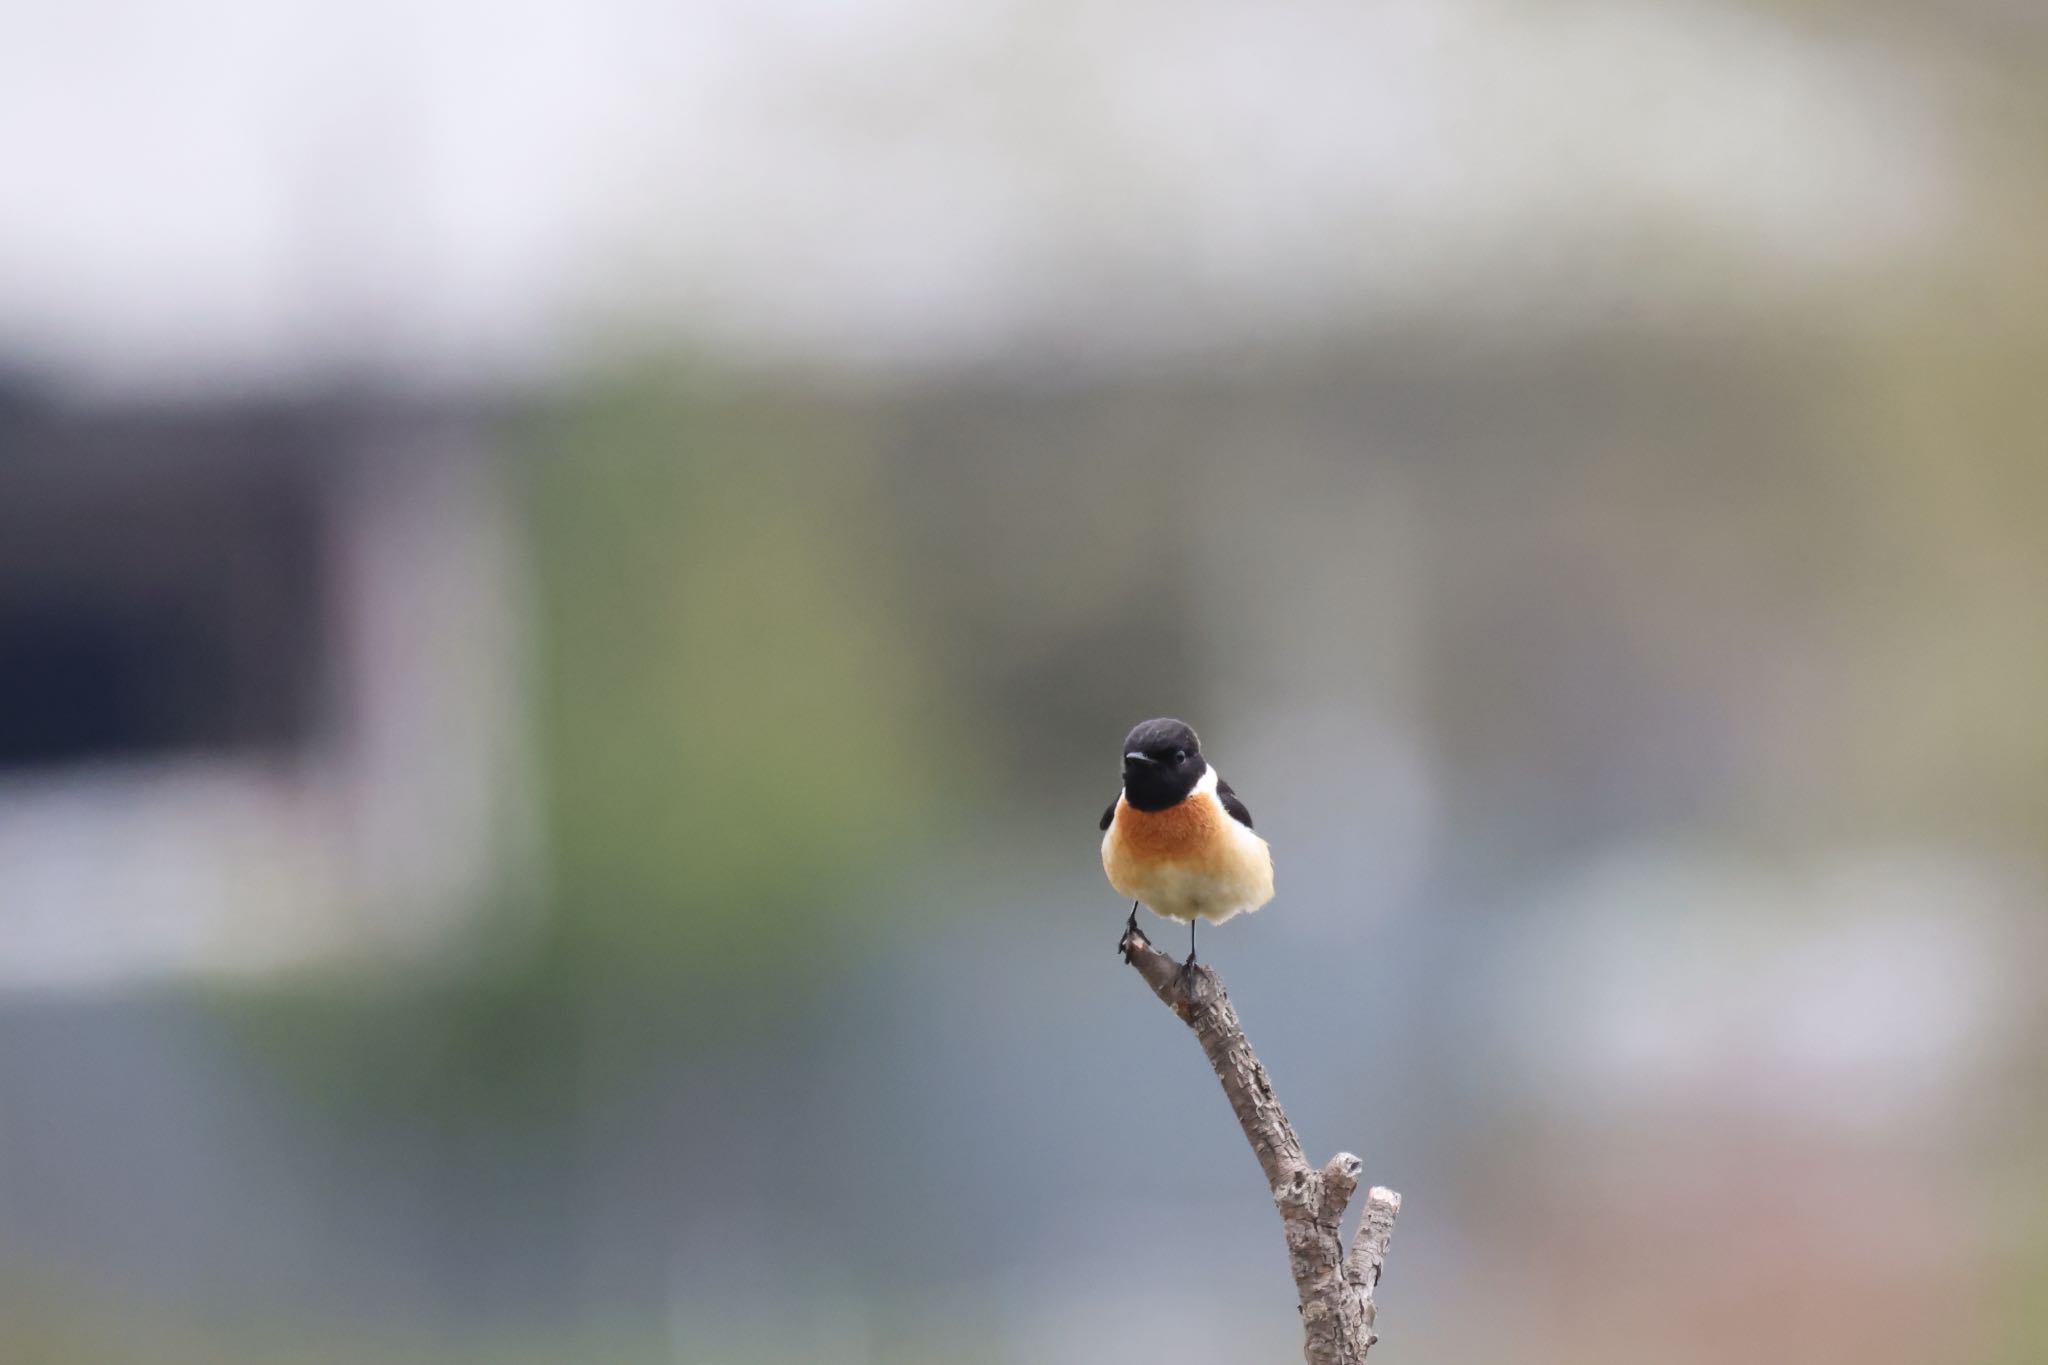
{"points": [[1335, 1288]]}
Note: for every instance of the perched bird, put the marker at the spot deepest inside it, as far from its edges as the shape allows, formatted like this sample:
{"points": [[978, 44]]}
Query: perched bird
{"points": [[1177, 839]]}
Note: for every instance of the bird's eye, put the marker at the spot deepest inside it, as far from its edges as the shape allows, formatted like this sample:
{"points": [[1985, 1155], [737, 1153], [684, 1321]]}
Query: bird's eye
{"points": [[1180, 755]]}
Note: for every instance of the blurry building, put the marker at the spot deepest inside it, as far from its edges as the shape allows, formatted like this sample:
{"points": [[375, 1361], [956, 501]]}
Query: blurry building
{"points": [[258, 675]]}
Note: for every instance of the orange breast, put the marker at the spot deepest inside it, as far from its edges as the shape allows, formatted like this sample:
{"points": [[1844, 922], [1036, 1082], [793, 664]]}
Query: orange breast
{"points": [[1190, 862], [1190, 832]]}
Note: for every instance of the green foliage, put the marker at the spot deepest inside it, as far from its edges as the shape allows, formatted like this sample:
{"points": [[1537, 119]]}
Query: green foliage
{"points": [[737, 731]]}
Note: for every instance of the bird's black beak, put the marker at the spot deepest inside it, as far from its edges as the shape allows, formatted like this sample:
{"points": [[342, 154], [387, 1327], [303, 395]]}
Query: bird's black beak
{"points": [[1138, 758]]}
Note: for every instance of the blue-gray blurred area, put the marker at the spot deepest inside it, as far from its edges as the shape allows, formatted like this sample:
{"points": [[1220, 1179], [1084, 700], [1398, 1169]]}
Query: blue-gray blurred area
{"points": [[571, 578]]}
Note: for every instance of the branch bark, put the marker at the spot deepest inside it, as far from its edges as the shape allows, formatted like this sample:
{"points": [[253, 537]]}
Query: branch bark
{"points": [[1335, 1288]]}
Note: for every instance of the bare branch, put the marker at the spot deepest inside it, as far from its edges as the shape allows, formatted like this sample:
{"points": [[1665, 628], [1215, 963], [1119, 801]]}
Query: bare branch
{"points": [[1340, 1178], [1335, 1291], [1375, 1230]]}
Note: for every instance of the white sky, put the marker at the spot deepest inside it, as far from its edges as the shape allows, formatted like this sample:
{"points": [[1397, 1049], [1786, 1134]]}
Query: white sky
{"points": [[232, 191]]}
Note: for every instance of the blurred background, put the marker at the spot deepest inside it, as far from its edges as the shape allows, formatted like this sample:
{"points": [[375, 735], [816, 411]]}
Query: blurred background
{"points": [[571, 577]]}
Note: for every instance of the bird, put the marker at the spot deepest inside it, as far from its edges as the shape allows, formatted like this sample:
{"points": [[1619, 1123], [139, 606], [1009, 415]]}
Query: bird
{"points": [[1177, 839]]}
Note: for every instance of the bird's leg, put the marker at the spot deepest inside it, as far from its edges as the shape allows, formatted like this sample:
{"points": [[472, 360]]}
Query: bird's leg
{"points": [[1123, 945], [1189, 965]]}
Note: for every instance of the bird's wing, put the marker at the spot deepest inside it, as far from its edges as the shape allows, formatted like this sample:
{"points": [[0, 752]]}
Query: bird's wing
{"points": [[1238, 810], [1110, 814]]}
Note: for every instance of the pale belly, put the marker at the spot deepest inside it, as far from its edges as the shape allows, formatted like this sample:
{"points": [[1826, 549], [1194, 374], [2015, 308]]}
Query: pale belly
{"points": [[1199, 865]]}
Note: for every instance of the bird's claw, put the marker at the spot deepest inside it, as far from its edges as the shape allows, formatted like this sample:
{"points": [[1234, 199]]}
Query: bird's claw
{"points": [[1132, 937]]}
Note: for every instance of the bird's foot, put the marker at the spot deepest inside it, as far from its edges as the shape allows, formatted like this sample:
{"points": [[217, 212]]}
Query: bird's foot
{"points": [[1133, 936], [1187, 968]]}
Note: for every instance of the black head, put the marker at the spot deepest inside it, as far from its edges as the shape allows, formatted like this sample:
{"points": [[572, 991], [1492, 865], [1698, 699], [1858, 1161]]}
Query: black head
{"points": [[1162, 763]]}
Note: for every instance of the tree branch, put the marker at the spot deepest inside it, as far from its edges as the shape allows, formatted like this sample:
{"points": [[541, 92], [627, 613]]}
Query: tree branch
{"points": [[1335, 1289]]}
